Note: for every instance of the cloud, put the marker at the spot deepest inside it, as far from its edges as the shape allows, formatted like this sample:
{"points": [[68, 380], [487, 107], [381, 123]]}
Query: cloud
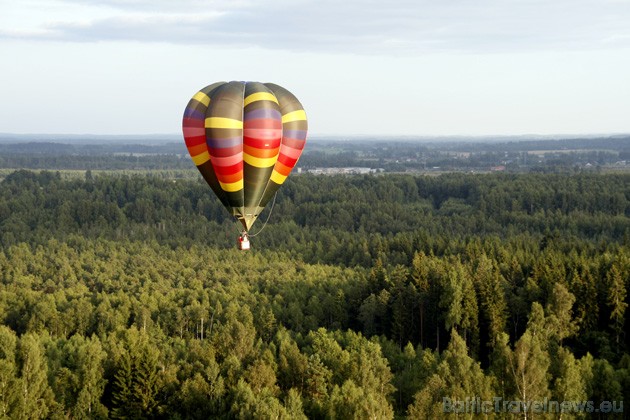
{"points": [[351, 26]]}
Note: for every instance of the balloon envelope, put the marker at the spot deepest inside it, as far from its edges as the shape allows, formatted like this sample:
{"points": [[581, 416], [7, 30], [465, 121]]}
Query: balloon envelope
{"points": [[245, 138]]}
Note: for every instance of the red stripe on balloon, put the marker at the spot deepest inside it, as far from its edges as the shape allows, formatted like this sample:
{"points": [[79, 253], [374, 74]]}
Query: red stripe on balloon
{"points": [[262, 143], [195, 140], [282, 169], [284, 159], [193, 122], [194, 131], [229, 178], [229, 170]]}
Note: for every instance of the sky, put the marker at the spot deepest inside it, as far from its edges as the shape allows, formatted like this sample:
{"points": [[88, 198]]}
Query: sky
{"points": [[359, 67]]}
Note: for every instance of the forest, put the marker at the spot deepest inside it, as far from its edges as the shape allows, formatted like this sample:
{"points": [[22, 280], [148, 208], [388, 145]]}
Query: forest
{"points": [[364, 296]]}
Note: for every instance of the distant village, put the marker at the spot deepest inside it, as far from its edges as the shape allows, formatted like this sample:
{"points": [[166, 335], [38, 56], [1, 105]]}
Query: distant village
{"points": [[338, 171], [372, 157]]}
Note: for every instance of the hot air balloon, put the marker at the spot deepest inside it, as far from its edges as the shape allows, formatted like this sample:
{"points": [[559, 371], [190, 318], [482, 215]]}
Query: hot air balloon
{"points": [[245, 138]]}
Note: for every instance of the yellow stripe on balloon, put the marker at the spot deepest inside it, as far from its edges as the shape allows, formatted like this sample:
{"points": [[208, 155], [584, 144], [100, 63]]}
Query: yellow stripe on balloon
{"points": [[298, 115], [277, 177], [260, 96], [232, 186], [201, 158], [259, 162], [220, 122], [202, 97]]}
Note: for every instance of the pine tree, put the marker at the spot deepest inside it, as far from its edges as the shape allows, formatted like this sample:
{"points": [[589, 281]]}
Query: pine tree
{"points": [[616, 301], [492, 302], [452, 298], [351, 401], [459, 301], [10, 385], [193, 398], [244, 399], [36, 393], [401, 306], [568, 383], [457, 377], [293, 405], [292, 364], [90, 370], [420, 277], [586, 309], [261, 375], [605, 384], [318, 379], [501, 367], [529, 362], [123, 402], [559, 313], [462, 374], [368, 368], [426, 405], [146, 383]]}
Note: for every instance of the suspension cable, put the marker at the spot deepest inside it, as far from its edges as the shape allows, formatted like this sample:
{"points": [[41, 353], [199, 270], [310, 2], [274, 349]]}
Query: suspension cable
{"points": [[268, 216]]}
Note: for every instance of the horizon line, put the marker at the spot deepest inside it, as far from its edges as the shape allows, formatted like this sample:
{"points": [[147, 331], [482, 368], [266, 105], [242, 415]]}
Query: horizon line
{"points": [[340, 135]]}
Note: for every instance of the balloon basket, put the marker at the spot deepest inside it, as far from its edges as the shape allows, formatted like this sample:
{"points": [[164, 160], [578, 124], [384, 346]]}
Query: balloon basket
{"points": [[243, 242]]}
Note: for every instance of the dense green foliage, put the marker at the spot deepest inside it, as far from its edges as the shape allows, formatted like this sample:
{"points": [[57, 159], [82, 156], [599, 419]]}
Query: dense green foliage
{"points": [[364, 297]]}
